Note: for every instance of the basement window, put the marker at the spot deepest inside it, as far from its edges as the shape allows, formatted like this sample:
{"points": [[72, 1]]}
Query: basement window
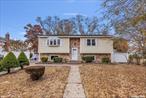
{"points": [[52, 57]]}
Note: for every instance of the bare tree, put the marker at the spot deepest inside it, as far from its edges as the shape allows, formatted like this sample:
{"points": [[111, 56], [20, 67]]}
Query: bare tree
{"points": [[128, 17], [75, 25]]}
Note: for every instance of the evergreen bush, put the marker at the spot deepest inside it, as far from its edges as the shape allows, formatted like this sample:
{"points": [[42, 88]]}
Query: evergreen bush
{"points": [[9, 61], [106, 60], [137, 58], [57, 60], [23, 60], [1, 67], [88, 59], [44, 59], [130, 59]]}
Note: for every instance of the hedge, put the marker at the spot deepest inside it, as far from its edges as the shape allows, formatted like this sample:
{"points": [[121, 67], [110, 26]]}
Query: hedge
{"points": [[106, 60], [57, 60], [88, 59]]}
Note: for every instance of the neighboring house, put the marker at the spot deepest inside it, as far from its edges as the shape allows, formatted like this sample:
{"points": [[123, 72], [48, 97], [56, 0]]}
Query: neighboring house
{"points": [[73, 47], [6, 43], [2, 43]]}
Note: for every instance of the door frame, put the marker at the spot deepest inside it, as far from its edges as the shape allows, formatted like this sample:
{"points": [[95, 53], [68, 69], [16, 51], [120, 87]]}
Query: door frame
{"points": [[72, 58]]}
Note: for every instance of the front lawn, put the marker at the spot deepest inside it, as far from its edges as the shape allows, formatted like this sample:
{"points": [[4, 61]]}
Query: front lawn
{"points": [[19, 84], [113, 81]]}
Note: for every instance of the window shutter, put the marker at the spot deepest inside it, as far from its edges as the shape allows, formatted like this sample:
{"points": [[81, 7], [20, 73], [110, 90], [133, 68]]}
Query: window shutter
{"points": [[58, 42], [96, 42], [61, 42], [48, 42], [85, 42]]}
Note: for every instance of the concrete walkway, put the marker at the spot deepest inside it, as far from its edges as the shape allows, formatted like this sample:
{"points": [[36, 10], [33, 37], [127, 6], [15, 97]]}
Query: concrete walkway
{"points": [[74, 88]]}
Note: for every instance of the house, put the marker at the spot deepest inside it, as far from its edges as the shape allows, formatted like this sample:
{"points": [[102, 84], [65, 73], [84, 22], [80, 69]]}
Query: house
{"points": [[2, 42], [73, 47], [5, 46], [5, 42]]}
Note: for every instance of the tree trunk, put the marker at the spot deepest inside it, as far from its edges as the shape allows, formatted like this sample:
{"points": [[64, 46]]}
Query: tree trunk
{"points": [[8, 70], [21, 66]]}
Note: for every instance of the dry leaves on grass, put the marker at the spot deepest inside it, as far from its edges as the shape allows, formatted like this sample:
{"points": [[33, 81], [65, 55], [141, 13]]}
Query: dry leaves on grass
{"points": [[19, 85], [108, 81]]}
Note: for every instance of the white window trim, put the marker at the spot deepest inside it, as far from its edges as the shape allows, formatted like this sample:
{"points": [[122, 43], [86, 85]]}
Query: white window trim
{"points": [[52, 39], [91, 42]]}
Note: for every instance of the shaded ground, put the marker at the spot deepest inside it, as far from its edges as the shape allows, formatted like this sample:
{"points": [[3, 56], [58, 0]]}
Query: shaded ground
{"points": [[113, 81], [19, 85]]}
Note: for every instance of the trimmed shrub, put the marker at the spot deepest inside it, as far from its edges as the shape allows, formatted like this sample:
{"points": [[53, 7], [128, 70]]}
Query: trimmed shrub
{"points": [[88, 59], [137, 58], [130, 59], [10, 61], [106, 60], [57, 60], [52, 57], [1, 67], [1, 57], [44, 59], [22, 59], [36, 72], [144, 63], [144, 53], [65, 60]]}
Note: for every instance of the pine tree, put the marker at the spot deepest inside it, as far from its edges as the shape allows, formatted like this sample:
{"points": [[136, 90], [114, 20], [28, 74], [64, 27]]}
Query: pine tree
{"points": [[23, 60], [9, 61]]}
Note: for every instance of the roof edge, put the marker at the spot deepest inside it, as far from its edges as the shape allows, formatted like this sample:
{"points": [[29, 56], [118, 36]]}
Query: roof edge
{"points": [[109, 36]]}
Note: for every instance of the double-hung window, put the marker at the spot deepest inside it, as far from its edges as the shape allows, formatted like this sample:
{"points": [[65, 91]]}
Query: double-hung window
{"points": [[88, 42], [54, 42], [91, 42], [51, 42]]}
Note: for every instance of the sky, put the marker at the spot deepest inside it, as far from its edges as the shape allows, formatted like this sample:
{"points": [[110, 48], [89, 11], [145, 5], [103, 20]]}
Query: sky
{"points": [[15, 14]]}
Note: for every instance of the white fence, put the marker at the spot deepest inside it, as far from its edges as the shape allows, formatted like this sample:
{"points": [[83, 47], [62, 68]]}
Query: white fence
{"points": [[120, 57], [116, 56], [16, 53]]}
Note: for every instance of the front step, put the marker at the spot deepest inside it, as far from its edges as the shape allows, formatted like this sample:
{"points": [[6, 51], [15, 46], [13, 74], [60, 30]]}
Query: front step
{"points": [[74, 62]]}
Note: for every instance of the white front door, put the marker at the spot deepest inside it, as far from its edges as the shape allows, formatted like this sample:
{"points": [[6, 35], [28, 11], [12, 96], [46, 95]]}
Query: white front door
{"points": [[74, 53]]}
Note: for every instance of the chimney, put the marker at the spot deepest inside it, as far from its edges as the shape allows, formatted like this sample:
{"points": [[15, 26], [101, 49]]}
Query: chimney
{"points": [[7, 37]]}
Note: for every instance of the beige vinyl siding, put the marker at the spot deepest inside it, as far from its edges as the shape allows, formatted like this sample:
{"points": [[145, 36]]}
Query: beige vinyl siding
{"points": [[103, 45], [44, 48]]}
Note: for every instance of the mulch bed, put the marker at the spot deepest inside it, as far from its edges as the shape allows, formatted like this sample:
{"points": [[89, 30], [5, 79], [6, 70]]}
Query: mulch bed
{"points": [[113, 81], [19, 84]]}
